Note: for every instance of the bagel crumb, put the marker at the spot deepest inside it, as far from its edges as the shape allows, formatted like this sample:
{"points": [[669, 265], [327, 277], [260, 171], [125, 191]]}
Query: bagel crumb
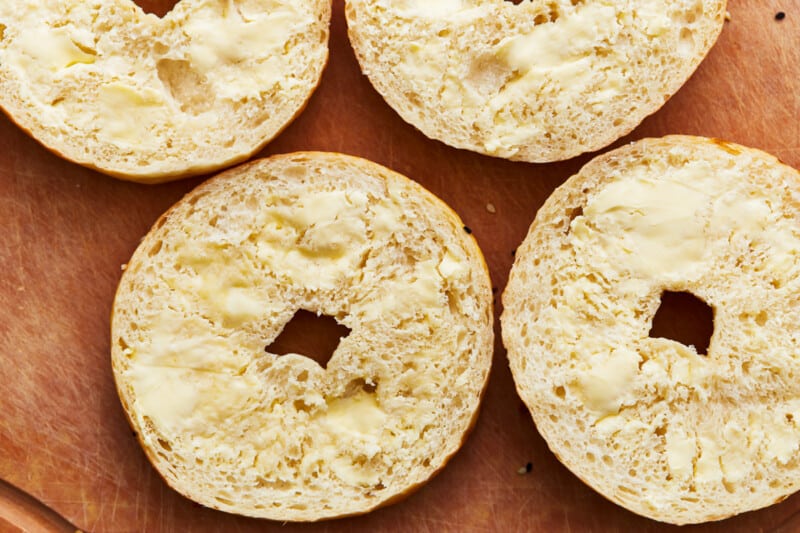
{"points": [[491, 208], [526, 469], [728, 16]]}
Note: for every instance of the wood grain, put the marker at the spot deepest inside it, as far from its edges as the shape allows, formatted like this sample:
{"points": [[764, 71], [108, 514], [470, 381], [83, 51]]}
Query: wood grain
{"points": [[66, 231]]}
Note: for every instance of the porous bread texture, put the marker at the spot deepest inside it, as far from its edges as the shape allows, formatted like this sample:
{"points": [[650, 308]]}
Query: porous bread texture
{"points": [[537, 81], [151, 99], [648, 422], [214, 282]]}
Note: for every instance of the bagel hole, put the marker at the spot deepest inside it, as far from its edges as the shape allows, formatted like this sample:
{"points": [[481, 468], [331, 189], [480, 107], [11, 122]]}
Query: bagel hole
{"points": [[312, 336], [156, 7], [685, 318]]}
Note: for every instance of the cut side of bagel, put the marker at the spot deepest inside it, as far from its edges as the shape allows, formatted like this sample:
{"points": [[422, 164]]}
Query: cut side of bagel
{"points": [[537, 81], [150, 99], [649, 422], [238, 428]]}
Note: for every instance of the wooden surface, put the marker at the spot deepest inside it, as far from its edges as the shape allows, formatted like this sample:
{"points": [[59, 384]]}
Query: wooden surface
{"points": [[65, 231]]}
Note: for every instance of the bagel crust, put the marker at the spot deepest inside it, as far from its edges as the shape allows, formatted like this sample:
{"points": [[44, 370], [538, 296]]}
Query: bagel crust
{"points": [[648, 422], [238, 428], [538, 81], [149, 99]]}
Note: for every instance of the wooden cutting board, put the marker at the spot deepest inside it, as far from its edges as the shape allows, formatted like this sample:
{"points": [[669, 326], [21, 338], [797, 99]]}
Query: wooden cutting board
{"points": [[66, 230]]}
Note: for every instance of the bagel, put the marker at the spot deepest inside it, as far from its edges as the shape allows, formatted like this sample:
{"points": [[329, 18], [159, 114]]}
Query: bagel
{"points": [[538, 81], [237, 428], [150, 99], [648, 422]]}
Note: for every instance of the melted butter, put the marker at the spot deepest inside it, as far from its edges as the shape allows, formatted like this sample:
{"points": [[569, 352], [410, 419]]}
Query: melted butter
{"points": [[668, 226], [572, 37], [167, 395], [609, 378], [708, 469], [680, 452], [782, 440], [52, 49], [556, 57], [184, 342], [187, 378], [659, 224], [125, 113], [219, 45], [359, 415], [451, 267], [232, 39], [317, 242]]}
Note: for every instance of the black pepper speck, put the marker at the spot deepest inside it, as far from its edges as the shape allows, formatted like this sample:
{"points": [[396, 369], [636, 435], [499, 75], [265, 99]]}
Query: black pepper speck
{"points": [[780, 15]]}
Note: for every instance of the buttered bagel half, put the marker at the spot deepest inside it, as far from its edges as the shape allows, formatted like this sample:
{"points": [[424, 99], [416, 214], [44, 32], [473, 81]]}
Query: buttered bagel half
{"points": [[535, 80], [151, 99], [650, 423], [236, 427]]}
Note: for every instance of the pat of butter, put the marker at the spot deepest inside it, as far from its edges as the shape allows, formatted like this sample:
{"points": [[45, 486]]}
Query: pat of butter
{"points": [[166, 395], [656, 20], [387, 215], [610, 377], [180, 341], [240, 305], [52, 49], [229, 296], [680, 452], [322, 207], [124, 113], [333, 239], [450, 267], [222, 43], [658, 224], [359, 414], [708, 469], [563, 41], [317, 241], [558, 57], [178, 399], [782, 440], [231, 39]]}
